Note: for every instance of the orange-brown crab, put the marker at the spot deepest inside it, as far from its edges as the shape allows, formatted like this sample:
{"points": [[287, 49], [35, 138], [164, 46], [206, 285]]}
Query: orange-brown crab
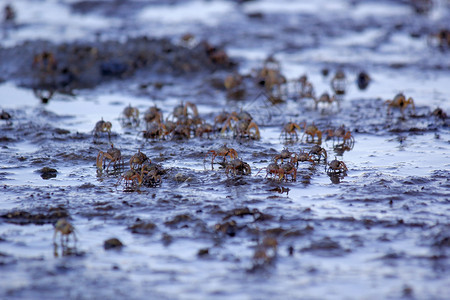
{"points": [[204, 128], [154, 130], [273, 169], [129, 116], [289, 169], [289, 131], [338, 83], [185, 110], [65, 229], [113, 155], [285, 154], [181, 132], [244, 125], [336, 166], [341, 132], [324, 98], [102, 126], [132, 178], [138, 159], [223, 151], [306, 89], [401, 102], [153, 114], [311, 131], [45, 62], [318, 152], [303, 156], [238, 167], [151, 174]]}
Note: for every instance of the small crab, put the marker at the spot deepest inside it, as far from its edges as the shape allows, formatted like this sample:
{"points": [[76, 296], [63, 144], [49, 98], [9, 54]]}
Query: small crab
{"points": [[400, 101], [129, 116], [181, 132], [244, 126], [238, 167], [204, 128], [102, 126], [9, 14], [273, 169], [153, 114], [289, 169], [223, 151], [285, 154], [132, 178], [154, 130], [247, 129], [185, 110], [306, 89], [318, 152], [303, 156], [151, 174], [341, 132], [137, 160], [338, 83], [113, 155], [312, 131], [336, 166], [65, 229], [324, 98], [289, 131], [45, 62]]}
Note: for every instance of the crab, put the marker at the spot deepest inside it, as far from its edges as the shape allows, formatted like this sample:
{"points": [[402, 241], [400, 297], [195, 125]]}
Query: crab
{"points": [[273, 169], [154, 130], [303, 156], [312, 131], [270, 76], [153, 114], [65, 229], [306, 89], [400, 101], [246, 128], [243, 125], [102, 126], [289, 131], [341, 132], [204, 128], [9, 14], [181, 132], [318, 152], [238, 167], [289, 169], [187, 109], [338, 83], [223, 151], [336, 166], [151, 174], [138, 160], [285, 154], [113, 155], [45, 62], [130, 116], [324, 98], [132, 178]]}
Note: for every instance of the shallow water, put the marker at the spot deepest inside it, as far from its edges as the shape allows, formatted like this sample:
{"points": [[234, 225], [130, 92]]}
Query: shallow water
{"points": [[381, 231]]}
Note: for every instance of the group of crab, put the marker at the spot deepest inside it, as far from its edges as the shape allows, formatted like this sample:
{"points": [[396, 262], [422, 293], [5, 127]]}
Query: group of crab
{"points": [[142, 171], [184, 123], [289, 163]]}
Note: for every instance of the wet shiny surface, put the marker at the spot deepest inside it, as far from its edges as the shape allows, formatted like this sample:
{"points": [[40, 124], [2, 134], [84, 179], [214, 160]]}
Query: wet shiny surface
{"points": [[381, 231]]}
